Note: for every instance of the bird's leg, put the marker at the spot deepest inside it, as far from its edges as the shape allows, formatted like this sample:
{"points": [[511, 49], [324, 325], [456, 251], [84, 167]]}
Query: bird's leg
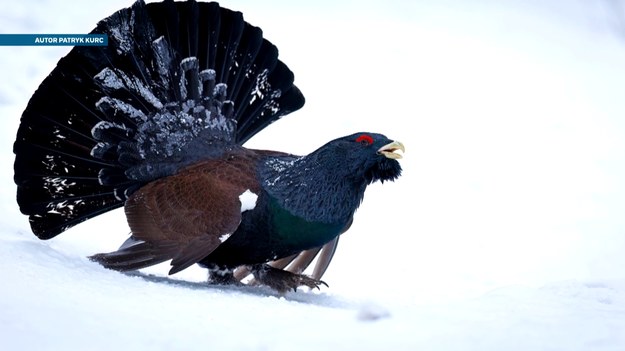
{"points": [[222, 275], [282, 280]]}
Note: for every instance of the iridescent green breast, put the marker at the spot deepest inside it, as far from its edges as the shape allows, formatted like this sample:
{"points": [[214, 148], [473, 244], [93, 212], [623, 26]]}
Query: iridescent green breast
{"points": [[294, 231]]}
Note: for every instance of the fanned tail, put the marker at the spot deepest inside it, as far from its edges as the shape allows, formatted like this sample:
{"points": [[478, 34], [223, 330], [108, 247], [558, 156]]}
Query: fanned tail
{"points": [[178, 82]]}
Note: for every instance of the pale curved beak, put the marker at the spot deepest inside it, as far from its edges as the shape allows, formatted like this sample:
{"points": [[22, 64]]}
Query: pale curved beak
{"points": [[388, 150]]}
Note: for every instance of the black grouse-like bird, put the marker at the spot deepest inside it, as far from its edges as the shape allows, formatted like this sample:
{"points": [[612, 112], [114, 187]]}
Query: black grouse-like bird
{"points": [[155, 122]]}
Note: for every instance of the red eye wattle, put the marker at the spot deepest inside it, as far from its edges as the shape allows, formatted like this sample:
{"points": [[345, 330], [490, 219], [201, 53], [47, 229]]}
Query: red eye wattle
{"points": [[365, 139]]}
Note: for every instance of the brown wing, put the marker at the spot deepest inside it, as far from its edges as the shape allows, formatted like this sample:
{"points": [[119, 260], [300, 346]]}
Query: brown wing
{"points": [[184, 217]]}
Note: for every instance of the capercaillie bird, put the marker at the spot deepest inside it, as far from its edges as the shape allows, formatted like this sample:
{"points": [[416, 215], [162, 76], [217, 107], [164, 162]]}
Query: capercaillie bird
{"points": [[156, 121]]}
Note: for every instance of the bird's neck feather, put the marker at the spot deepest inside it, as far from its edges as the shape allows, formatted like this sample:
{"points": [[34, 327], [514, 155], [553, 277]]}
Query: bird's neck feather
{"points": [[313, 187]]}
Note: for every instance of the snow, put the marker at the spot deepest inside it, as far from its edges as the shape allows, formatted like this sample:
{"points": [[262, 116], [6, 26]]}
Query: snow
{"points": [[110, 79], [117, 79], [505, 231], [248, 200], [163, 59], [107, 103]]}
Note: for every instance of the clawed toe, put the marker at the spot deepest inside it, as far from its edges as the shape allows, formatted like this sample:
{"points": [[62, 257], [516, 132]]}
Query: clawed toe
{"points": [[282, 280], [309, 282]]}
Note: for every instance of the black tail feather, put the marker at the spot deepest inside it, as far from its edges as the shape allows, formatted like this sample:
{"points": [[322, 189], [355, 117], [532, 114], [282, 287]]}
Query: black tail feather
{"points": [[108, 119]]}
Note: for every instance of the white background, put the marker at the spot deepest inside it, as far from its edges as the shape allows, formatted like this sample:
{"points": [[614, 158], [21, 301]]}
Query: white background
{"points": [[505, 232]]}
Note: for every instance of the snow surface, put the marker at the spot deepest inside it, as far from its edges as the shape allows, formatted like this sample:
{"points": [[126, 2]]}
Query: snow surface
{"points": [[506, 231]]}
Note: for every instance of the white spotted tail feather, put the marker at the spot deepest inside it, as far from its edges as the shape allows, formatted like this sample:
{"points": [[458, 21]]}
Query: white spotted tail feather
{"points": [[179, 82]]}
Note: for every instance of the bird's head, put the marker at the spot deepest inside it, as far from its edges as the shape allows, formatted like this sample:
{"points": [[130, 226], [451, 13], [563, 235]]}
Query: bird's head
{"points": [[366, 156], [328, 184]]}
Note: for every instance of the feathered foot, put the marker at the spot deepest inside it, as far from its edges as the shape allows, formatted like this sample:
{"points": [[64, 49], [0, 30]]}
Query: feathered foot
{"points": [[222, 276], [282, 280]]}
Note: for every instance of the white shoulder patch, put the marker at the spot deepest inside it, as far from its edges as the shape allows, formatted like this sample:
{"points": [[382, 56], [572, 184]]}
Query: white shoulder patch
{"points": [[224, 237], [248, 200]]}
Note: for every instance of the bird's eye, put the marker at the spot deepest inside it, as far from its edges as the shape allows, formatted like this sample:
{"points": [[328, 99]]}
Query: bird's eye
{"points": [[364, 139]]}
